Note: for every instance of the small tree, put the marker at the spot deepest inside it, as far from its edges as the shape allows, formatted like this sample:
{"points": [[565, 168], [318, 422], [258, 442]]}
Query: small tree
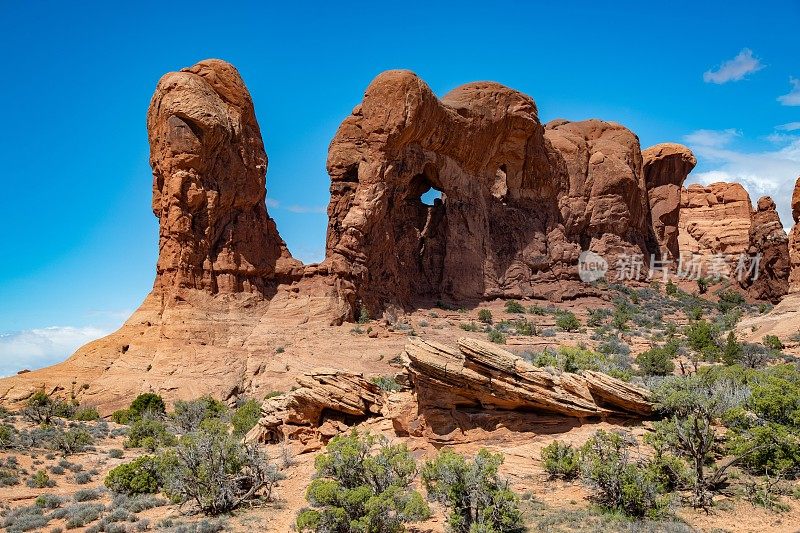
{"points": [[732, 351], [216, 471], [478, 500], [148, 403], [772, 342], [246, 417], [620, 481], [41, 408], [187, 416], [140, 476], [361, 488], [485, 316], [692, 405]]}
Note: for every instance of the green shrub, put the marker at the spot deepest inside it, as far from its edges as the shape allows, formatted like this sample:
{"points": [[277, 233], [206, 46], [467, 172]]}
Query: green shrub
{"points": [[473, 493], [728, 300], [362, 483], [8, 436], [702, 338], [116, 453], [523, 327], [619, 482], [496, 336], [567, 321], [772, 342], [485, 316], [597, 317], [513, 306], [561, 460], [123, 416], [86, 414], [469, 326], [187, 416], [537, 310], [363, 315], [148, 433], [246, 417], [140, 476], [41, 409], [71, 441], [25, 519], [657, 361], [40, 480], [148, 404], [386, 383], [732, 350], [671, 289]]}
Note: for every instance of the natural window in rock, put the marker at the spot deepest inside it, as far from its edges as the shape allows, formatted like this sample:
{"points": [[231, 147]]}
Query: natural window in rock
{"points": [[424, 187], [430, 197]]}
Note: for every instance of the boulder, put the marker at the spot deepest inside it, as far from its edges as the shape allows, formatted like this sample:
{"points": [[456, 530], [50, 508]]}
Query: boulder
{"points": [[665, 168], [325, 400]]}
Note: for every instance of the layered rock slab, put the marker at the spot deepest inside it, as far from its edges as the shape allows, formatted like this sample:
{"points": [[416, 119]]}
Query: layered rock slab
{"points": [[478, 385]]}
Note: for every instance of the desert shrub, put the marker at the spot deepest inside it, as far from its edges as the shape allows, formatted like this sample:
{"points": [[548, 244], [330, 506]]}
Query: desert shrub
{"points": [[622, 314], [148, 404], [671, 289], [360, 488], [614, 346], [621, 482], [523, 327], [82, 478], [731, 350], [148, 433], [692, 405], [116, 453], [513, 306], [728, 300], [216, 471], [41, 409], [25, 519], [702, 338], [772, 342], [40, 480], [469, 326], [476, 498], [137, 503], [537, 310], [363, 315], [87, 495], [187, 416], [597, 317], [246, 417], [485, 316], [561, 460], [496, 336], [81, 514], [86, 414], [49, 501], [8, 436], [548, 332], [386, 383], [567, 321], [702, 285], [657, 361], [140, 476], [73, 440]]}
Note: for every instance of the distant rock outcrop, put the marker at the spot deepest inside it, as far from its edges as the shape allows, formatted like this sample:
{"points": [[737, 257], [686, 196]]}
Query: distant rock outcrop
{"points": [[714, 220], [769, 243], [794, 241], [665, 167]]}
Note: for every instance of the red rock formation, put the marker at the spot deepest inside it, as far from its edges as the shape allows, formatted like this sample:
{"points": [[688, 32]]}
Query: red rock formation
{"points": [[794, 241], [518, 201], [209, 174], [665, 169], [768, 242], [714, 220]]}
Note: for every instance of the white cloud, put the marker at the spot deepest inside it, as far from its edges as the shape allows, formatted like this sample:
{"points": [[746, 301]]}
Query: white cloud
{"points": [[770, 172], [791, 126], [35, 348], [295, 208], [273, 204], [714, 138], [734, 69], [793, 96]]}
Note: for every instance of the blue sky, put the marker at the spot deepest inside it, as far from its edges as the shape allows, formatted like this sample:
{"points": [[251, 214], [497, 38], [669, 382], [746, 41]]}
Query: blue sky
{"points": [[80, 239]]}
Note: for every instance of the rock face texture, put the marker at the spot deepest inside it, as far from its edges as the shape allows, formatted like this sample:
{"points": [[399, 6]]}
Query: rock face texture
{"points": [[665, 169], [714, 220], [455, 388], [298, 414], [209, 176], [769, 242], [794, 241]]}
